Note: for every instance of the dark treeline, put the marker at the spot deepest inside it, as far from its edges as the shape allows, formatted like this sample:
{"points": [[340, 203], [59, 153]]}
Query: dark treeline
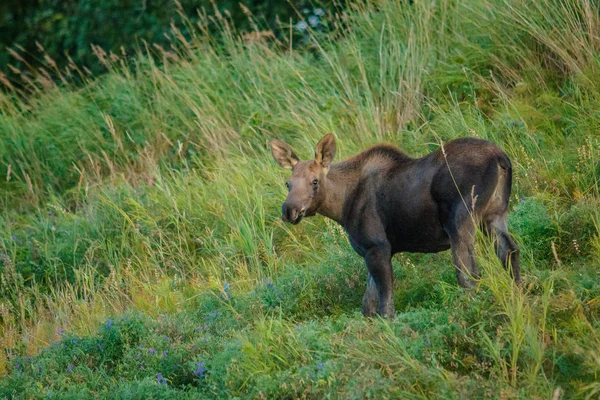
{"points": [[35, 28]]}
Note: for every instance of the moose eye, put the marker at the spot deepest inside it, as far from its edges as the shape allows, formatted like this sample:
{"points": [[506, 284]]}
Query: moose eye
{"points": [[287, 185], [315, 182]]}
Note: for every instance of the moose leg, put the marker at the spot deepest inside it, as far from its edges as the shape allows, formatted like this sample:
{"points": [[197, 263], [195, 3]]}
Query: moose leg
{"points": [[379, 264], [506, 248], [369, 304], [461, 230]]}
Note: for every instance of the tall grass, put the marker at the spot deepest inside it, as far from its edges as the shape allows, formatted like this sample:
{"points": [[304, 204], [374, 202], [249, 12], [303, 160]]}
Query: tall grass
{"points": [[151, 189]]}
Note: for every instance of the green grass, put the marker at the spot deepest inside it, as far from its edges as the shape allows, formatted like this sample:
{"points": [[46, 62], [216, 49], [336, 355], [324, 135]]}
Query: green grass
{"points": [[140, 231]]}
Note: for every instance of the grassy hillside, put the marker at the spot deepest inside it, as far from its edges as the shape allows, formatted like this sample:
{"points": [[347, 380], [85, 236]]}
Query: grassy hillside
{"points": [[141, 246]]}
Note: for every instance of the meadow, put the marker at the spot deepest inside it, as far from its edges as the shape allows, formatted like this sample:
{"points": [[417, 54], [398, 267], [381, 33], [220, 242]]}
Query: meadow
{"points": [[141, 247]]}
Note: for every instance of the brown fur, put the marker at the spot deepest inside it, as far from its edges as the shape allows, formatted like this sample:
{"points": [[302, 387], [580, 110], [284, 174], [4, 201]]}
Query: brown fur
{"points": [[389, 202]]}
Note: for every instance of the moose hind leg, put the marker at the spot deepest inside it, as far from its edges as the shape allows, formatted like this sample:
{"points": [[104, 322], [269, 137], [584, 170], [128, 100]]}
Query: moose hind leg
{"points": [[506, 248], [370, 299], [461, 230]]}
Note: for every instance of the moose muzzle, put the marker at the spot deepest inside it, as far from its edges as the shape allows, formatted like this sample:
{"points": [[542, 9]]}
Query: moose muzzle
{"points": [[292, 213]]}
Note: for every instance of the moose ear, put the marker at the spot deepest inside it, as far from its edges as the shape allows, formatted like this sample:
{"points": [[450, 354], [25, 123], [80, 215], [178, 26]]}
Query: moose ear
{"points": [[325, 150], [283, 154]]}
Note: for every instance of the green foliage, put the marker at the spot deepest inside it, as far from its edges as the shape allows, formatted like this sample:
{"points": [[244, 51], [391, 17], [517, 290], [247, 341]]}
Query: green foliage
{"points": [[532, 222], [142, 254], [52, 28]]}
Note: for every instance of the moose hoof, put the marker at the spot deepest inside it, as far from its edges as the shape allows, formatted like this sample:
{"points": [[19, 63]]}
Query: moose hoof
{"points": [[369, 313], [389, 313]]}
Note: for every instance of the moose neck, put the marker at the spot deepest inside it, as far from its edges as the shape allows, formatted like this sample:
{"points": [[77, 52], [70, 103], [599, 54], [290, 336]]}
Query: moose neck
{"points": [[340, 182]]}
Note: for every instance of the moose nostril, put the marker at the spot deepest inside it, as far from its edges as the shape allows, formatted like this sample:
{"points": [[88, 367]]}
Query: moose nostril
{"points": [[287, 213], [291, 213]]}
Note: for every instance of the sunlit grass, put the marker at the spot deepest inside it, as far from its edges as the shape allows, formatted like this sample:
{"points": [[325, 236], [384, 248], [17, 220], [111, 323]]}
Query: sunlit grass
{"points": [[148, 199]]}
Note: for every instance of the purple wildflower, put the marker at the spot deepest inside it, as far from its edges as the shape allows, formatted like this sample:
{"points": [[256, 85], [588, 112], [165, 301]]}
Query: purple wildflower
{"points": [[70, 368], [200, 370], [152, 351], [161, 379], [108, 324], [165, 353]]}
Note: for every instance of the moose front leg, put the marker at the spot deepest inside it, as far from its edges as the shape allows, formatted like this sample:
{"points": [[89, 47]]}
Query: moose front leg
{"points": [[370, 299], [379, 264]]}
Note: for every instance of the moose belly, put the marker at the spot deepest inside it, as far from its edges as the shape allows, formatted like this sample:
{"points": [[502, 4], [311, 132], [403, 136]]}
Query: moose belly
{"points": [[418, 235]]}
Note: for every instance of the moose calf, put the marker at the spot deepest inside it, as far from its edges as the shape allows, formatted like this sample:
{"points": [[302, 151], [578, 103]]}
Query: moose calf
{"points": [[389, 202]]}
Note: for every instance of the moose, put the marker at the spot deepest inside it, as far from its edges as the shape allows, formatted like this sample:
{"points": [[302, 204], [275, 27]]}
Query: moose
{"points": [[388, 202]]}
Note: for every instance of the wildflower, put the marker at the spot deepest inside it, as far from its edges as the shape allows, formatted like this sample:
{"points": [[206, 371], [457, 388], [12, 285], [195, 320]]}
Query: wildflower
{"points": [[108, 324], [301, 26], [165, 353], [60, 332], [152, 351], [320, 366], [305, 11], [70, 368], [99, 346], [16, 365], [14, 238], [161, 379], [200, 370], [167, 339], [138, 356], [313, 21], [319, 12]]}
